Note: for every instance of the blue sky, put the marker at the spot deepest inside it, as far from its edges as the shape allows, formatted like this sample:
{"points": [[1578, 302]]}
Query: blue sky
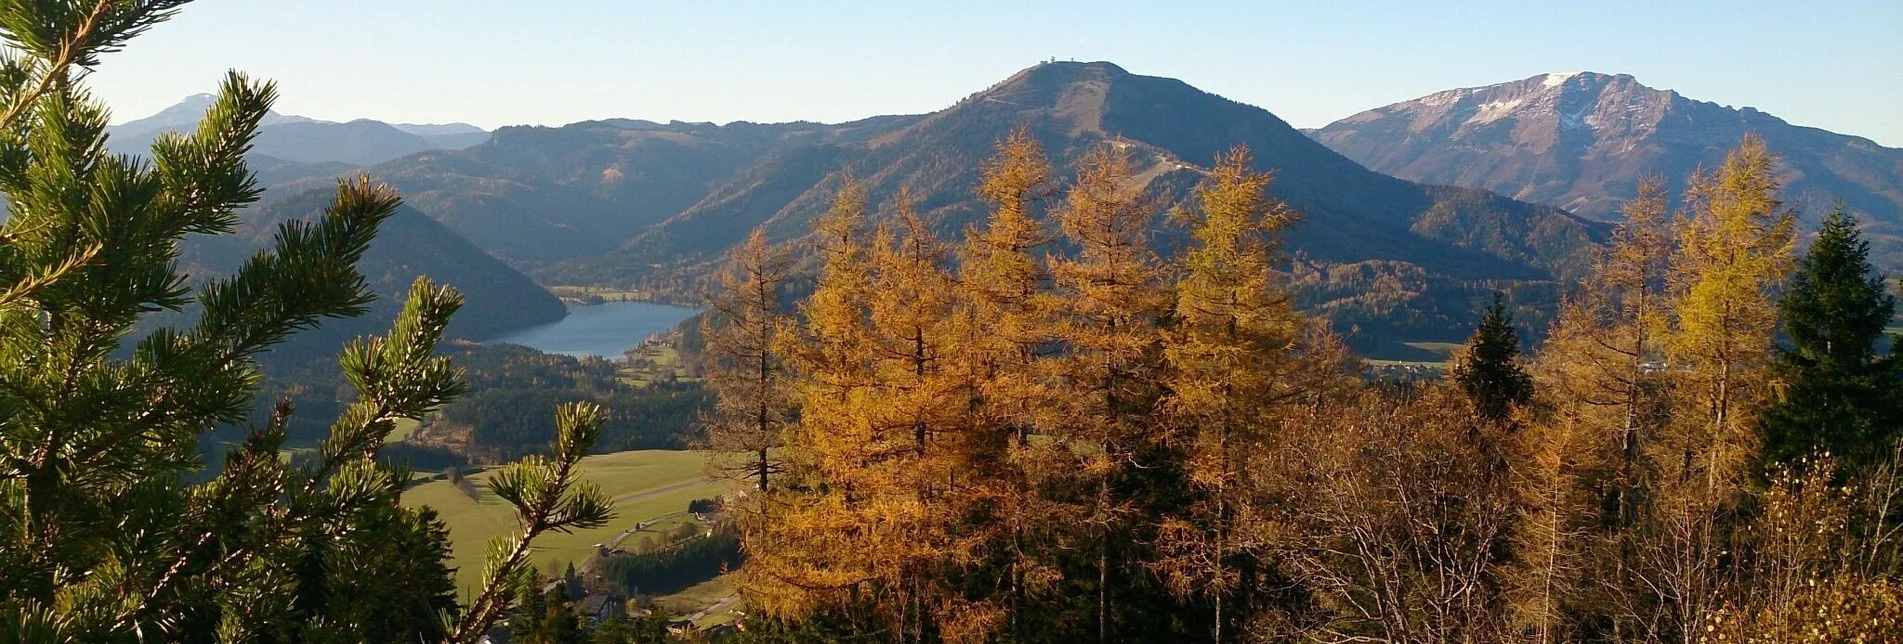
{"points": [[506, 62]]}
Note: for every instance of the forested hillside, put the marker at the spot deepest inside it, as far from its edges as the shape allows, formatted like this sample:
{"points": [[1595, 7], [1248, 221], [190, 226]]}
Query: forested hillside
{"points": [[498, 298], [303, 368], [965, 438], [535, 195]]}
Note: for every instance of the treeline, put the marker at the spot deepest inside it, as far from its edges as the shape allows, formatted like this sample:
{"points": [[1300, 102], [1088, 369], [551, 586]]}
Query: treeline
{"points": [[506, 423], [1381, 305], [508, 411], [673, 569], [513, 388], [998, 440]]}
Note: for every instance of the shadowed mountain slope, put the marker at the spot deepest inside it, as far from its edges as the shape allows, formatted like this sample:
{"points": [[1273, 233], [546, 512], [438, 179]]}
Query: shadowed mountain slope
{"points": [[498, 298]]}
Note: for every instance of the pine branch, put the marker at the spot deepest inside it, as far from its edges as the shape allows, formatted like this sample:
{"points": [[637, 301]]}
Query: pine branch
{"points": [[63, 56], [309, 275], [547, 497]]}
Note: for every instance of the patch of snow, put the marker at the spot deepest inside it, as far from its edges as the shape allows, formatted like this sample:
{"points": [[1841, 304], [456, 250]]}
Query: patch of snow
{"points": [[1555, 80], [1441, 98], [1577, 119], [1494, 111]]}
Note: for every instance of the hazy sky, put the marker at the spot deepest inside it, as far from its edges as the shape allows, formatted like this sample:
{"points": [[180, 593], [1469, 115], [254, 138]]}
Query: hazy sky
{"points": [[507, 62]]}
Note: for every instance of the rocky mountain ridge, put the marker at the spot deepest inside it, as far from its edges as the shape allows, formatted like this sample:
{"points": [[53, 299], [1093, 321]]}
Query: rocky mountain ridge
{"points": [[1583, 141]]}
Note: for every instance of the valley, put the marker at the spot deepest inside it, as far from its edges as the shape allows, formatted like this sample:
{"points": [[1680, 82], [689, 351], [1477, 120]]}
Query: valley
{"points": [[1019, 354], [618, 216], [626, 205]]}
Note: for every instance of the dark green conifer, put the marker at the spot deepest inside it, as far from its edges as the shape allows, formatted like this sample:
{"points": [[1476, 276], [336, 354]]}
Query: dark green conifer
{"points": [[561, 625], [1489, 371], [1839, 388], [649, 628]]}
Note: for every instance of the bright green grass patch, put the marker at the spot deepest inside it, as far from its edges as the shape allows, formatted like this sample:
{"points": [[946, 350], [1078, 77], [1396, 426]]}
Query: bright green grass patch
{"points": [[287, 455], [643, 485], [1404, 363], [606, 294], [404, 429], [1432, 355]]}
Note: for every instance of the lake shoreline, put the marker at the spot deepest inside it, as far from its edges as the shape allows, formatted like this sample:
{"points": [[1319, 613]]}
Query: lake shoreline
{"points": [[604, 330]]}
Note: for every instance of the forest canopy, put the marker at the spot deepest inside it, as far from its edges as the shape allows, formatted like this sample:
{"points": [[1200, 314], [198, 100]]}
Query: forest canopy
{"points": [[1049, 431]]}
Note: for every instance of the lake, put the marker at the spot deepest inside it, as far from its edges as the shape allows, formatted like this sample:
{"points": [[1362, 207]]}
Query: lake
{"points": [[603, 330]]}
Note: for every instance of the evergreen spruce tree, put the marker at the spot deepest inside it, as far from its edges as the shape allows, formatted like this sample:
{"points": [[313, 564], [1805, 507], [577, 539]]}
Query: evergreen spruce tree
{"points": [[645, 629], [531, 605], [1489, 371], [560, 624], [1839, 393]]}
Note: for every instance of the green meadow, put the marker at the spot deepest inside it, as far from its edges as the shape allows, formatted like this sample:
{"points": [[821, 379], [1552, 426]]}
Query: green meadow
{"points": [[644, 485]]}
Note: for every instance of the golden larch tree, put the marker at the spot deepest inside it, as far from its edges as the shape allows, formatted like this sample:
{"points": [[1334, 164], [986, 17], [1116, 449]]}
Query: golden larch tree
{"points": [[1577, 467], [916, 402], [1734, 247], [1111, 296], [1552, 454], [1229, 360], [819, 552], [744, 368], [1005, 324]]}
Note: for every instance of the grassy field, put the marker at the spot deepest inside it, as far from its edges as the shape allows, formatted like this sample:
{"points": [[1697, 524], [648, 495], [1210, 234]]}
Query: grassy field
{"points": [[1444, 350], [643, 485], [404, 429], [606, 294], [655, 363], [715, 596]]}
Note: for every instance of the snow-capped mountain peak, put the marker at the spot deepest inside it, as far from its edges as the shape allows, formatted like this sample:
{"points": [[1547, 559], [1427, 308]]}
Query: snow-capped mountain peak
{"points": [[1556, 80], [1583, 141]]}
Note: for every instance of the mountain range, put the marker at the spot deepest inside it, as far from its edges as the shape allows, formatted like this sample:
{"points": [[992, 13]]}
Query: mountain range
{"points": [[299, 158], [1173, 131], [299, 139], [623, 202], [1412, 213], [1583, 141]]}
